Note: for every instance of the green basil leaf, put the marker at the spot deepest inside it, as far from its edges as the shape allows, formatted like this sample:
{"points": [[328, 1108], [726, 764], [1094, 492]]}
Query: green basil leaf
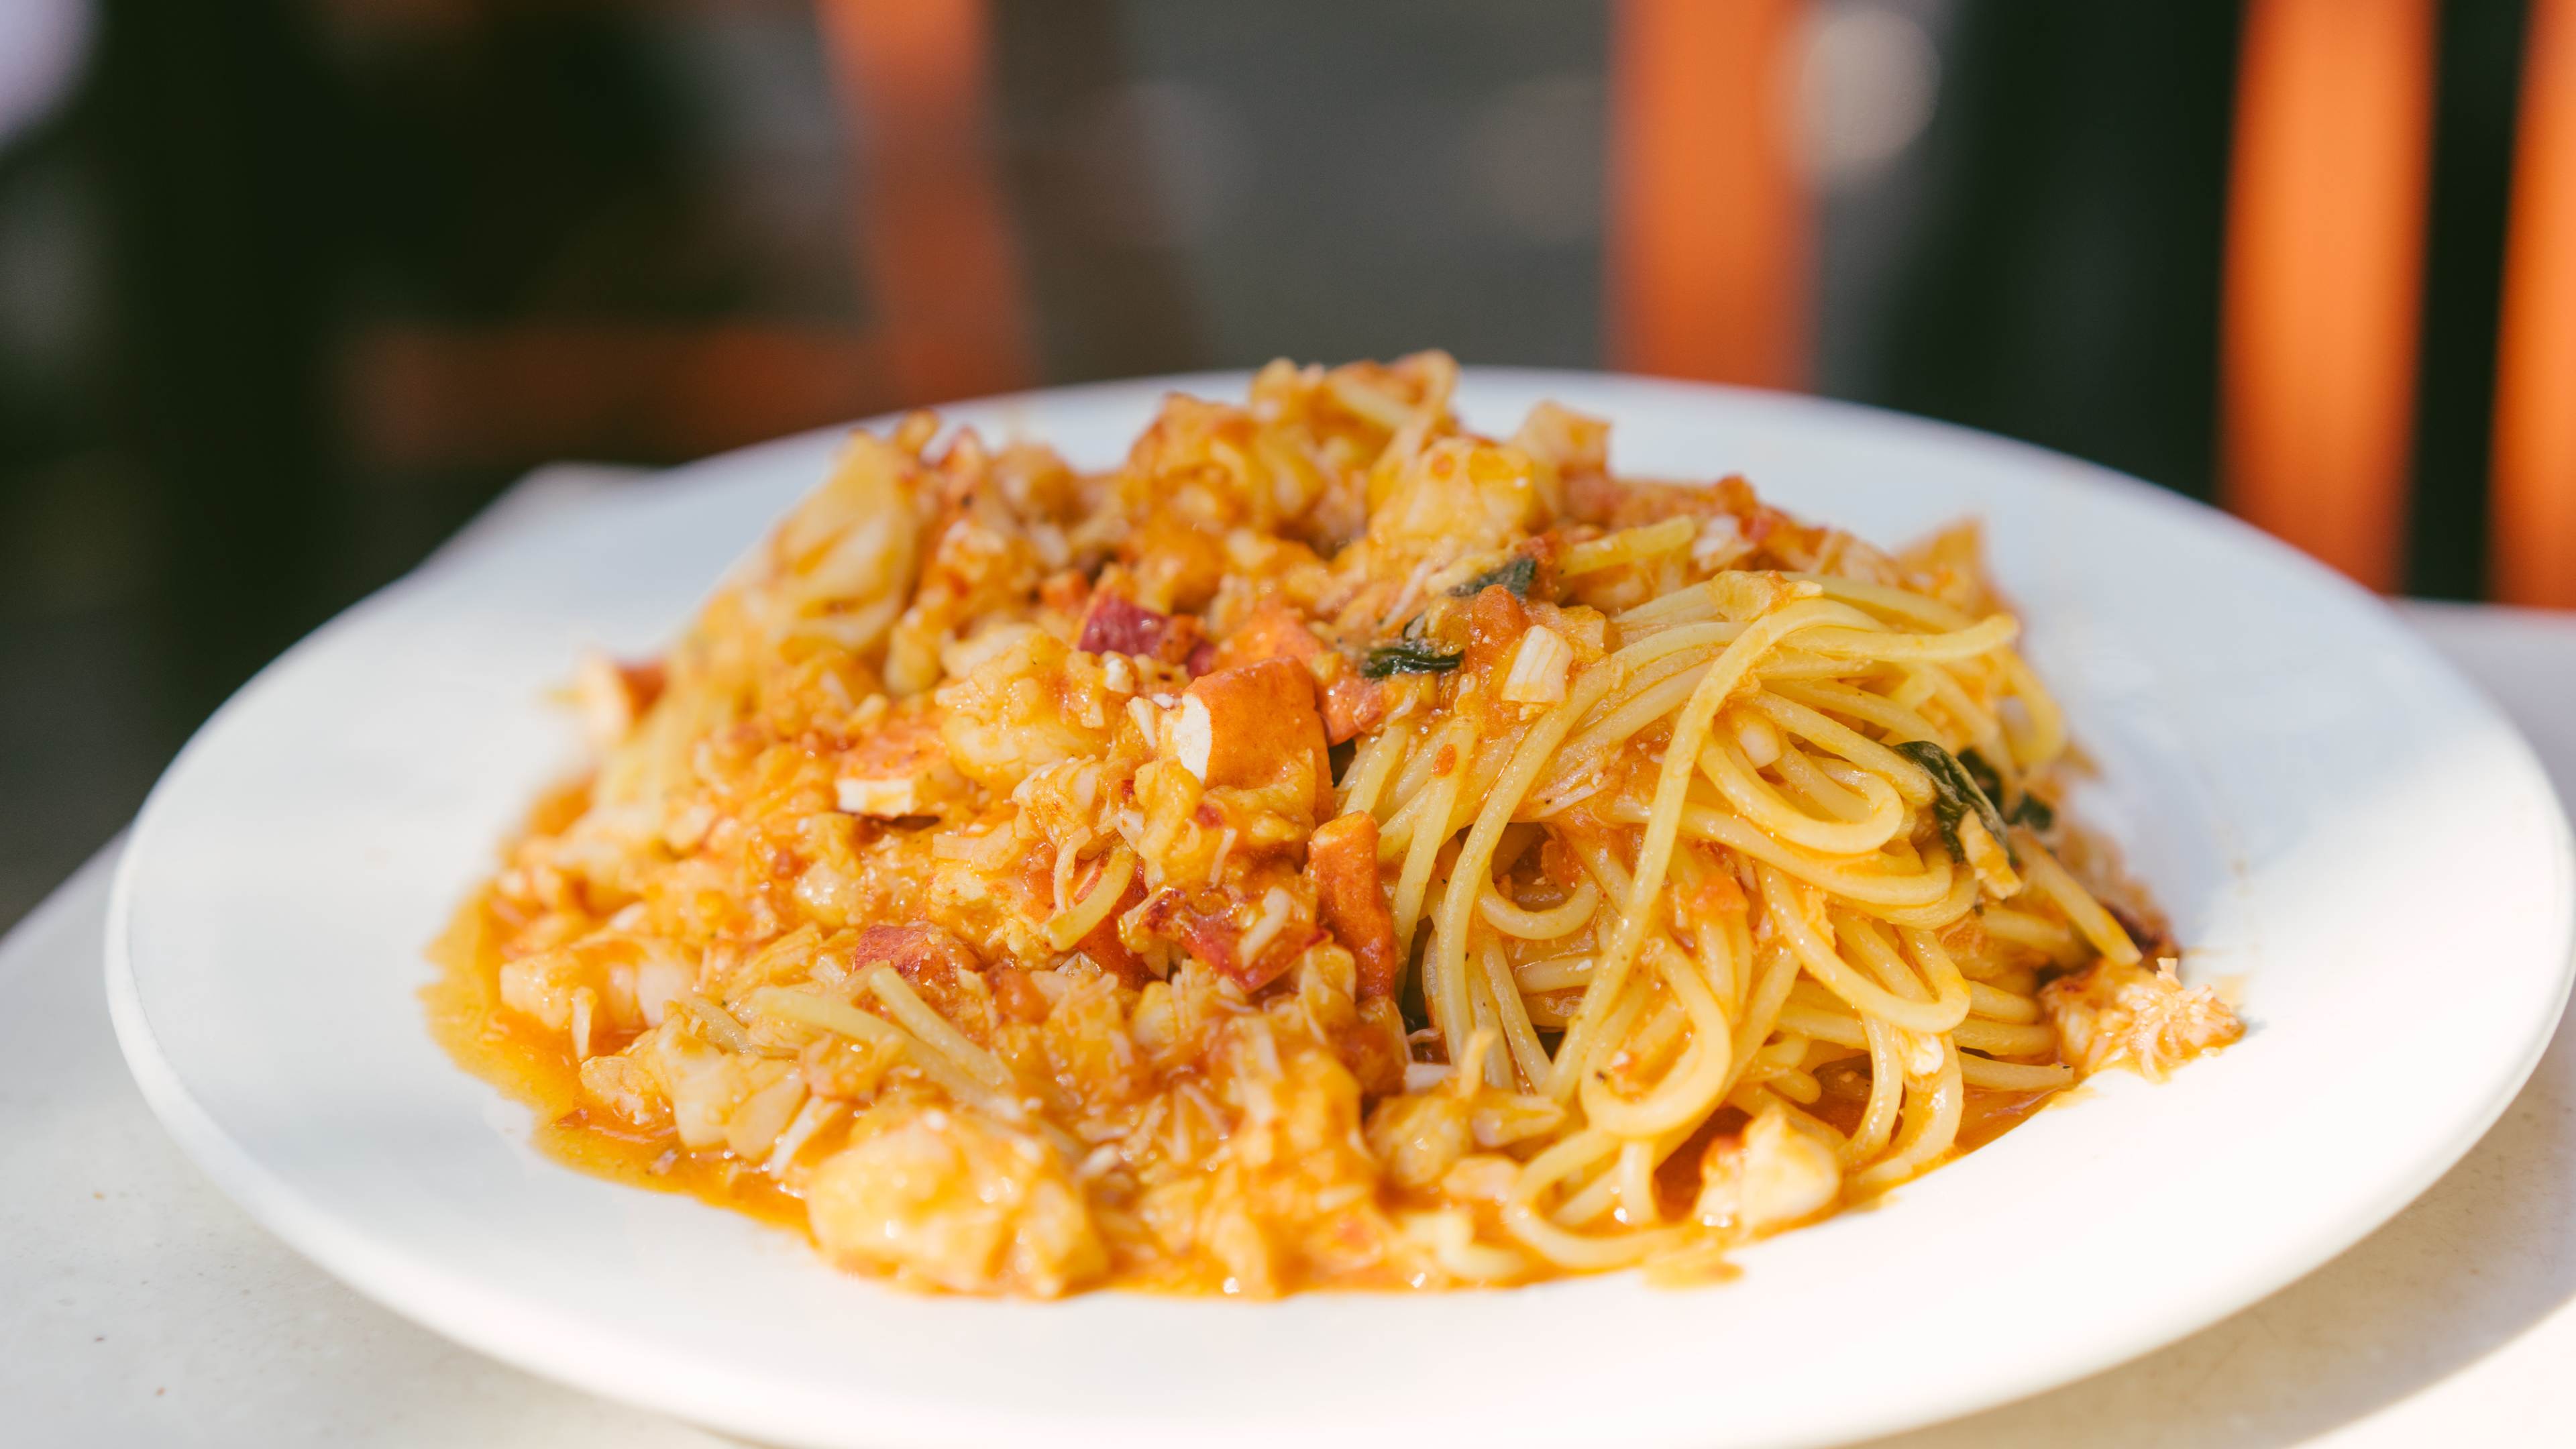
{"points": [[1983, 773], [1955, 794], [2029, 810]]}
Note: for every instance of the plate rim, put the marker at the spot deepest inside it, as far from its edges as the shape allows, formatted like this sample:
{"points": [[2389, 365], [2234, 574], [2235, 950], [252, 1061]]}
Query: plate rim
{"points": [[385, 1274]]}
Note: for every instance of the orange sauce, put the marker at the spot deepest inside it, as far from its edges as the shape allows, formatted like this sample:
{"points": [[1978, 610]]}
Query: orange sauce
{"points": [[1984, 1115], [529, 1065], [466, 1017], [1987, 1114]]}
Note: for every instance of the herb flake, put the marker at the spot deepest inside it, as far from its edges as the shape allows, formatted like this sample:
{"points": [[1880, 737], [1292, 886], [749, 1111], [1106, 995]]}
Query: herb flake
{"points": [[1515, 574], [1409, 999], [1407, 657]]}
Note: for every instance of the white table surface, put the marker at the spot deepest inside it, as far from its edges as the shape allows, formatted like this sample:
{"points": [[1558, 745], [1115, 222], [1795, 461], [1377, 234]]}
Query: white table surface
{"points": [[139, 1307]]}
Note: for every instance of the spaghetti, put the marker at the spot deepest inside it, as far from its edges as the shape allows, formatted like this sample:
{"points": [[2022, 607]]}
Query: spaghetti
{"points": [[1329, 848]]}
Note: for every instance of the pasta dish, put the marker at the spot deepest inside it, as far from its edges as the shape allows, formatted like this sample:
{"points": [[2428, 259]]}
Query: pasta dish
{"points": [[1328, 848]]}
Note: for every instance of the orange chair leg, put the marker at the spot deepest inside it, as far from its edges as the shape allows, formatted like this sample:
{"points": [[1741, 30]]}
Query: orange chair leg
{"points": [[935, 236], [2533, 519], [1708, 228], [2325, 229]]}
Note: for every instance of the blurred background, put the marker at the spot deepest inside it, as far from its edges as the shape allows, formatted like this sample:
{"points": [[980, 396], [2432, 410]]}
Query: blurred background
{"points": [[290, 288]]}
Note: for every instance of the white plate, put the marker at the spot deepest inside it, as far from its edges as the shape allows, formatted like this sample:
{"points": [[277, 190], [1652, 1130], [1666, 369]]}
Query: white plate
{"points": [[2328, 812]]}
